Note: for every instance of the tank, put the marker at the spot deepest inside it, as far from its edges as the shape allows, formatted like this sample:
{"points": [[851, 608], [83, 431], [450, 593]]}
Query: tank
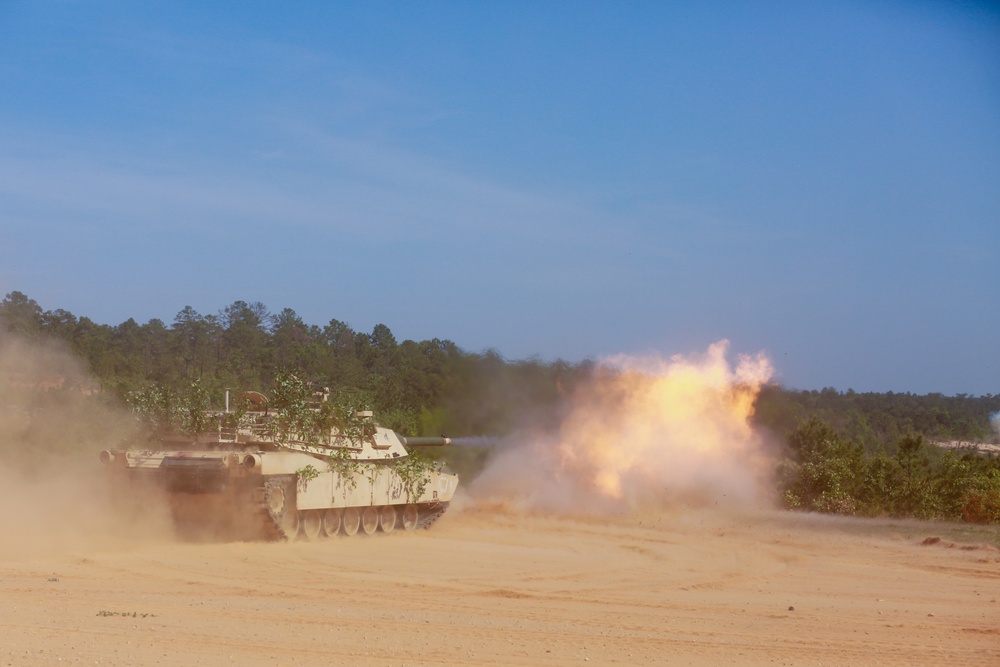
{"points": [[248, 476]]}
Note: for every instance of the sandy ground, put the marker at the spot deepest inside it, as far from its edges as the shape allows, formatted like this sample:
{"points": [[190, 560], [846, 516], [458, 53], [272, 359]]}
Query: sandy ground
{"points": [[490, 586]]}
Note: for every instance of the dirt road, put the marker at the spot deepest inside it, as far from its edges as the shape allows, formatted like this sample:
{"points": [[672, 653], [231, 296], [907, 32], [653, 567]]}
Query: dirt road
{"points": [[489, 586]]}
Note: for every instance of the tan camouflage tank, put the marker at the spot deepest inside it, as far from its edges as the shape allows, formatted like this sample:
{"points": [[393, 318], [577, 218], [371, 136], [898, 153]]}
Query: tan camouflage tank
{"points": [[244, 482]]}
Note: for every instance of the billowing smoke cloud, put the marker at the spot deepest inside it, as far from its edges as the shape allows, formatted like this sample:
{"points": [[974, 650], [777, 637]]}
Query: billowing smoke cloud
{"points": [[995, 422], [643, 431]]}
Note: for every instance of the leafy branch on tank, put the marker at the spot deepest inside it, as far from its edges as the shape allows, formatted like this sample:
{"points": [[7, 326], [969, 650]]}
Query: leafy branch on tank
{"points": [[306, 475], [414, 472], [232, 421], [163, 410], [309, 417]]}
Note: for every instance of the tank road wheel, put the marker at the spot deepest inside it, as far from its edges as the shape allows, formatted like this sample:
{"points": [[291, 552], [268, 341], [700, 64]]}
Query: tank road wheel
{"points": [[312, 523], [352, 519], [290, 524], [369, 520], [331, 522], [410, 517], [387, 518]]}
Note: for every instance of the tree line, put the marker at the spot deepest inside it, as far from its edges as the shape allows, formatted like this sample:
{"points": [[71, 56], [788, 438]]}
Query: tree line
{"points": [[843, 451], [424, 387]]}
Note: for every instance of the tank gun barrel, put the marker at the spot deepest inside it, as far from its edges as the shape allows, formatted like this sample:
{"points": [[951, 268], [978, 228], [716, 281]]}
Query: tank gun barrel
{"points": [[427, 441]]}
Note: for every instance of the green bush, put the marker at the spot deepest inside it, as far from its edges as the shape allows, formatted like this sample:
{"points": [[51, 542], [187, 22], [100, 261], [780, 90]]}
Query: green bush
{"points": [[825, 472]]}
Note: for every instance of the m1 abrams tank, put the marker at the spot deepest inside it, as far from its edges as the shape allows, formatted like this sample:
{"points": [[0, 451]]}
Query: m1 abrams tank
{"points": [[248, 480]]}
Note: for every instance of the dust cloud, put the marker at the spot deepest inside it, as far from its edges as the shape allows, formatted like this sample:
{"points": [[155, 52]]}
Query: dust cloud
{"points": [[641, 433], [54, 420]]}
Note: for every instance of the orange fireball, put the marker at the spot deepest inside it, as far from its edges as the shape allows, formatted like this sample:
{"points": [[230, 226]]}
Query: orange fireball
{"points": [[645, 429]]}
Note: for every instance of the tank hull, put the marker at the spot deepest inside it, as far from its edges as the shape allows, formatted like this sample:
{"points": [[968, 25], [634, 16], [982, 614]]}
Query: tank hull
{"points": [[273, 495]]}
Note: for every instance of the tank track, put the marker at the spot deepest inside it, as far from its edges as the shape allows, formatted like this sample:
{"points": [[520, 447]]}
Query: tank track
{"points": [[275, 527], [431, 514], [271, 530]]}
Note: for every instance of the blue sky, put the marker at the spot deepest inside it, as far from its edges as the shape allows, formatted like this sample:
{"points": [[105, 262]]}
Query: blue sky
{"points": [[819, 181]]}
